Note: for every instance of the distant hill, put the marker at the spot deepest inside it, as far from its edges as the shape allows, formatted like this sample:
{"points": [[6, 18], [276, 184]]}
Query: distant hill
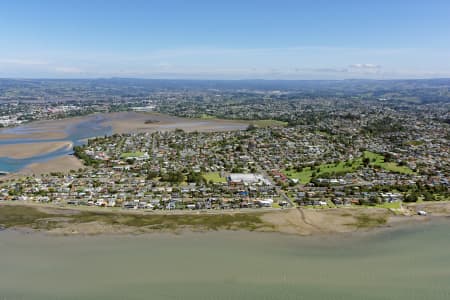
{"points": [[414, 90]]}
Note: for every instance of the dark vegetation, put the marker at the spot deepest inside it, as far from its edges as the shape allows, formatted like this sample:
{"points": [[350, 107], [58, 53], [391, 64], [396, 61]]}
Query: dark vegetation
{"points": [[30, 217]]}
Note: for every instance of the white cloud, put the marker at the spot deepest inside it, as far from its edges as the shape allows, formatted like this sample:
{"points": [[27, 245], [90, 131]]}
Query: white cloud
{"points": [[23, 62], [235, 63], [365, 66]]}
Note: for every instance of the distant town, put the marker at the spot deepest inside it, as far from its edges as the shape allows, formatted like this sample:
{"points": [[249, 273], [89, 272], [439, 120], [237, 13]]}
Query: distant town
{"points": [[350, 145]]}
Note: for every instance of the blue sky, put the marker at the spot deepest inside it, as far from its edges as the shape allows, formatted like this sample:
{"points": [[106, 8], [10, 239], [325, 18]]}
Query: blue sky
{"points": [[314, 39]]}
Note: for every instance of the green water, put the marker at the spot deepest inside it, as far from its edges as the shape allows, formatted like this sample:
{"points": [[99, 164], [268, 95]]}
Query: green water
{"points": [[411, 263]]}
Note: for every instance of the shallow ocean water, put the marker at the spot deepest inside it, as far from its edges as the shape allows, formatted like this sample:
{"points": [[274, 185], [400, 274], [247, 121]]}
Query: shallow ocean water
{"points": [[402, 263]]}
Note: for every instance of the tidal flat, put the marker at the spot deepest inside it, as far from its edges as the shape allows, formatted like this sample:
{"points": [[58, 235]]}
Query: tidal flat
{"points": [[60, 219]]}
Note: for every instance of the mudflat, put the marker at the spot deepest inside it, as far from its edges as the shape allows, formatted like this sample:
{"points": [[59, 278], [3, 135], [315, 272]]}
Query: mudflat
{"points": [[121, 122], [27, 150], [126, 122], [61, 164], [40, 130], [35, 136], [64, 219]]}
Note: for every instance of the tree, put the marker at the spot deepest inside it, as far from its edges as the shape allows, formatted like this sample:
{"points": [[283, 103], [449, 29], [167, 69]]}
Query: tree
{"points": [[152, 174], [427, 196], [412, 197], [251, 127], [173, 177], [366, 161], [194, 177], [179, 130]]}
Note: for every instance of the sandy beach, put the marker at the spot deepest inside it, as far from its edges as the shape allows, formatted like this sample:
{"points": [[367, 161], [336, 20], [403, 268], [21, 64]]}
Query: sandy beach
{"points": [[20, 151]]}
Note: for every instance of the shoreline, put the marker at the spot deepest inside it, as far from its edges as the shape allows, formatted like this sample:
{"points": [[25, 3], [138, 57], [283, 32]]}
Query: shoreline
{"points": [[57, 220]]}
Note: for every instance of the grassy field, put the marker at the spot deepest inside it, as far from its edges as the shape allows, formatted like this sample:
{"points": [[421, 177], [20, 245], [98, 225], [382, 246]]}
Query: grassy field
{"points": [[214, 177], [378, 160], [131, 154], [305, 175], [207, 117], [375, 158], [392, 205], [393, 167]]}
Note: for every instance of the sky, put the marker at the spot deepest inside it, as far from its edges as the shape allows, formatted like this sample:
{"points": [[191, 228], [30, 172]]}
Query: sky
{"points": [[302, 39]]}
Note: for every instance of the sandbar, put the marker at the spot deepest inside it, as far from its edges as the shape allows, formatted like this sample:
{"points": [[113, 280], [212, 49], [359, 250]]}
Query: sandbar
{"points": [[27, 150], [35, 136], [61, 164]]}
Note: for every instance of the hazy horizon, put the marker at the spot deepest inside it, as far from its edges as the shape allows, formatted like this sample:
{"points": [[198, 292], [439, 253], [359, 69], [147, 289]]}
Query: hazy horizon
{"points": [[290, 40]]}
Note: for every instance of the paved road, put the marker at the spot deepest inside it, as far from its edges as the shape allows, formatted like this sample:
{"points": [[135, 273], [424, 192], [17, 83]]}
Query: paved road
{"points": [[277, 188]]}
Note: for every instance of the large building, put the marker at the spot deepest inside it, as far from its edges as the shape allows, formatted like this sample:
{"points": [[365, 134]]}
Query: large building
{"points": [[240, 178]]}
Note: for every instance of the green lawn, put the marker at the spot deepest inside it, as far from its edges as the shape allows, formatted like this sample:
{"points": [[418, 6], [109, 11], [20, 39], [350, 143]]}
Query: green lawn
{"points": [[132, 154], [341, 168], [393, 205], [374, 156], [393, 167], [214, 177], [305, 175], [388, 166], [207, 117]]}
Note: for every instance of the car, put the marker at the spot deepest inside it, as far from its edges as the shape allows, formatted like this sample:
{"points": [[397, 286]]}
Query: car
{"points": [[130, 206]]}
